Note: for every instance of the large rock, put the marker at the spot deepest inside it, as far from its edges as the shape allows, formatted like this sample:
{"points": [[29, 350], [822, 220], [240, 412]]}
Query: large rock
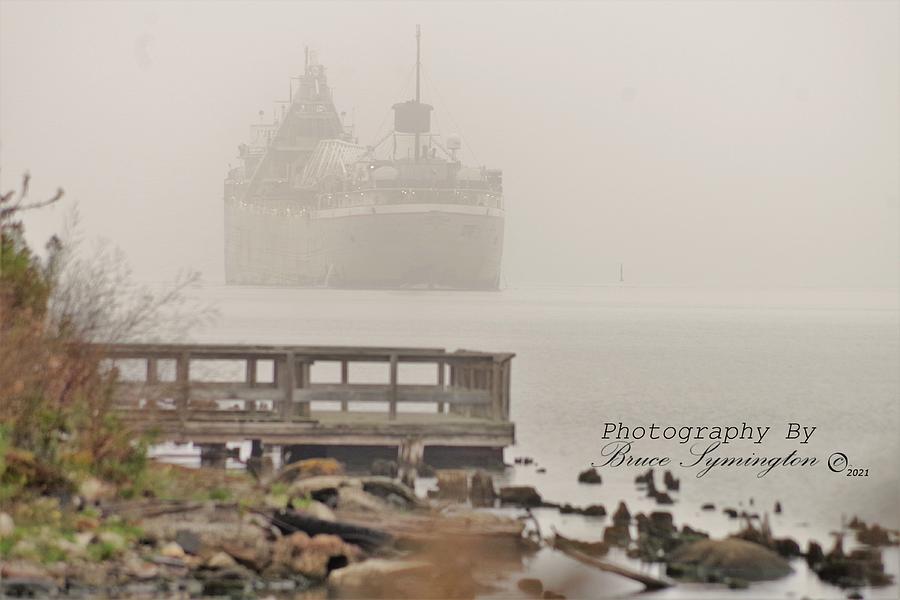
{"points": [[374, 578], [520, 495], [731, 558], [312, 557], [590, 476]]}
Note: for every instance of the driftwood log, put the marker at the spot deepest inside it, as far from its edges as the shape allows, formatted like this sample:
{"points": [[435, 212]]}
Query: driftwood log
{"points": [[565, 546]]}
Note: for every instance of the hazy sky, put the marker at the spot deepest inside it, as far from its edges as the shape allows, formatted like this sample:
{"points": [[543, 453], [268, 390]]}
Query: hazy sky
{"points": [[746, 143]]}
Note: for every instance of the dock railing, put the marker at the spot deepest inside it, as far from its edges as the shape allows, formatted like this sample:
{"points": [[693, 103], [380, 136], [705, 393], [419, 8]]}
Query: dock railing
{"points": [[467, 383]]}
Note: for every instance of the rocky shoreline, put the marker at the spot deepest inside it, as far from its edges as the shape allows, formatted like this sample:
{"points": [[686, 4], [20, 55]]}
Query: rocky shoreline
{"points": [[313, 531]]}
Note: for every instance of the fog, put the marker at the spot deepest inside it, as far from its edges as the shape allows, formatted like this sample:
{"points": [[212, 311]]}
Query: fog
{"points": [[704, 143]]}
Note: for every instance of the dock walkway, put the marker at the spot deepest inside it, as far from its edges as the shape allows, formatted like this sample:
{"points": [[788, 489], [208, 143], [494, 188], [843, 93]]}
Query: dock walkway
{"points": [[190, 393]]}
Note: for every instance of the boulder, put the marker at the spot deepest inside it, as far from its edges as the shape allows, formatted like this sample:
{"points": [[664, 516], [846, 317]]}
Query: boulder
{"points": [[520, 495], [731, 558], [590, 476], [374, 578]]}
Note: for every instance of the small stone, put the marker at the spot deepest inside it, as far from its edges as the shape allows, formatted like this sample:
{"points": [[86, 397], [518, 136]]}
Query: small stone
{"points": [[220, 560], [140, 569], [708, 506], [189, 541], [7, 525], [172, 550]]}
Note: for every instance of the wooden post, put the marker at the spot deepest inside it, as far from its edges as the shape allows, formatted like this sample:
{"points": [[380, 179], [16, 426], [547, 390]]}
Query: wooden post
{"points": [[496, 393], [440, 382], [287, 382], [507, 378], [152, 371], [409, 459], [393, 392], [302, 409], [183, 380], [345, 379], [251, 373]]}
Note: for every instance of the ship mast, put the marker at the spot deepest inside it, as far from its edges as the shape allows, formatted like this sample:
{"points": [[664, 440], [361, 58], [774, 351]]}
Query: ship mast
{"points": [[418, 68]]}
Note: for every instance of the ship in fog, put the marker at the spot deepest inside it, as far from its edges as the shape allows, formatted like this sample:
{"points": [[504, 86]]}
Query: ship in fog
{"points": [[309, 206]]}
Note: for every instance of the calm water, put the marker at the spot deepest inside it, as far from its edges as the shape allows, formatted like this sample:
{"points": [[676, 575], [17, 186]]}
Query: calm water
{"points": [[670, 356]]}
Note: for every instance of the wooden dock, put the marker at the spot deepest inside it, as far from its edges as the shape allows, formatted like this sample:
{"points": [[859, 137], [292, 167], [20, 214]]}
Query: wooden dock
{"points": [[190, 393]]}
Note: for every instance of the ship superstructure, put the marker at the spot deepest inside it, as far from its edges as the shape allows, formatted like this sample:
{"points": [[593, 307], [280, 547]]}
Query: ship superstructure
{"points": [[311, 207]]}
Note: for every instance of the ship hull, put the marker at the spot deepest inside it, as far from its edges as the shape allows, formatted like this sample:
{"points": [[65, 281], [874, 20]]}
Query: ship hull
{"points": [[426, 246]]}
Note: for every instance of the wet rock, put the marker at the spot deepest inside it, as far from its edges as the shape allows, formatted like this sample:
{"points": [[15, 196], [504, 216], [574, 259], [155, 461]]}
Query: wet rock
{"points": [[548, 595], [481, 491], [708, 506], [453, 484], [590, 476], [874, 535], [542, 470], [663, 498], [814, 554], [854, 595], [617, 535], [622, 516], [384, 468], [732, 513], [786, 547], [672, 484], [856, 523], [531, 587], [863, 566], [777, 507], [726, 559], [520, 495], [645, 478], [594, 510]]}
